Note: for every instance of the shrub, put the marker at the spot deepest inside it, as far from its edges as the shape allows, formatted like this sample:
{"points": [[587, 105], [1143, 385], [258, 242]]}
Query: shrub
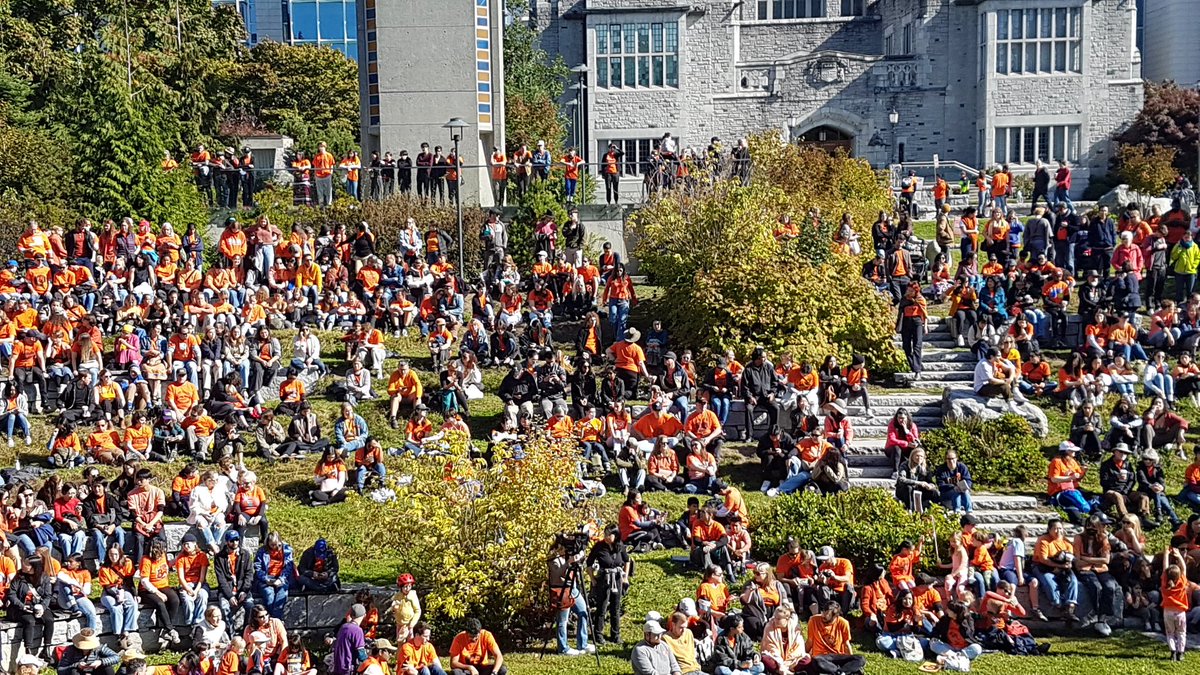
{"points": [[482, 543], [863, 525], [727, 283], [1001, 453]]}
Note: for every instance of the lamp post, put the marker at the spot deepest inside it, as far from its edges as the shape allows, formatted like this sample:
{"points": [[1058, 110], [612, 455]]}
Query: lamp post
{"points": [[893, 119], [456, 126], [580, 71], [792, 122]]}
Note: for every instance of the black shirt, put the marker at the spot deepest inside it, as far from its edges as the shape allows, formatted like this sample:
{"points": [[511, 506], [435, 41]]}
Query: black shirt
{"points": [[608, 556]]}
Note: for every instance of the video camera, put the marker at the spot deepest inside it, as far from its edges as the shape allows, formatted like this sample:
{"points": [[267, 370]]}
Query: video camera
{"points": [[574, 542]]}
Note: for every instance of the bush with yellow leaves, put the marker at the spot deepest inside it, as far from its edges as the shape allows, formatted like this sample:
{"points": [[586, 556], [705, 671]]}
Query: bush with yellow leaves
{"points": [[478, 538]]}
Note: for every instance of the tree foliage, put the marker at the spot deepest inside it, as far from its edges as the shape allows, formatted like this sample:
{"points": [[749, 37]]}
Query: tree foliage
{"points": [[1170, 117], [1148, 170], [533, 84], [483, 533], [864, 525], [728, 283]]}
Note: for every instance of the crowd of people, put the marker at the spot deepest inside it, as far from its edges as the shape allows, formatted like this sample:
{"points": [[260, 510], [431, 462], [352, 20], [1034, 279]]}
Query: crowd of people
{"points": [[435, 175]]}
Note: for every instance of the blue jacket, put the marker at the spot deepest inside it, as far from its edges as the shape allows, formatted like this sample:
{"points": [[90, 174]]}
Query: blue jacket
{"points": [[994, 300], [262, 561], [339, 429], [946, 478], [1102, 234]]}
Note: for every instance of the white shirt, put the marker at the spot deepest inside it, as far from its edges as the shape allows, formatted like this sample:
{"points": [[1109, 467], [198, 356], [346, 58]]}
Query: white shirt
{"points": [[307, 348], [205, 505], [1014, 550], [984, 373]]}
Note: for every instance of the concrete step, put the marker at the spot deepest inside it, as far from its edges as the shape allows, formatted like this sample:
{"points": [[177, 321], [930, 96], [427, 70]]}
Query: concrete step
{"points": [[957, 375], [925, 383], [868, 460], [870, 472], [935, 368], [955, 355], [879, 429], [880, 483], [1034, 530], [989, 517], [995, 502], [910, 401]]}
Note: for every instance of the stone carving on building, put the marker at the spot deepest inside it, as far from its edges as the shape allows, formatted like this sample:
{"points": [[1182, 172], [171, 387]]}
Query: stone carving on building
{"points": [[897, 75], [827, 70], [757, 79]]}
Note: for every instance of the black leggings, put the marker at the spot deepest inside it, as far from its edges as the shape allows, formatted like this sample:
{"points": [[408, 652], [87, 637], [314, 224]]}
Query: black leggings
{"points": [[29, 626], [164, 610]]}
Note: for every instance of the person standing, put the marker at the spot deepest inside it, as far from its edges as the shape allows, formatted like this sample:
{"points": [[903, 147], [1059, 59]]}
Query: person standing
{"points": [[567, 597], [499, 167], [1101, 239], [323, 163], [541, 162], [453, 175], [301, 180], [350, 645], [911, 321], [437, 176], [611, 169], [351, 166], [572, 161], [609, 566], [247, 177], [1041, 187], [1062, 185], [404, 173], [522, 161], [424, 169]]}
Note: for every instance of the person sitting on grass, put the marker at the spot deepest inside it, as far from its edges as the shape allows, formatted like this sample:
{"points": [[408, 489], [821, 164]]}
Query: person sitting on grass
{"points": [[404, 391], [368, 464], [330, 479], [710, 543], [783, 649], [474, 652]]}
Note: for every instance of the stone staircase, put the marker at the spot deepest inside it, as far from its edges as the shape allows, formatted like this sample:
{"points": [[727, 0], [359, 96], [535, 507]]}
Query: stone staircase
{"points": [[946, 364]]}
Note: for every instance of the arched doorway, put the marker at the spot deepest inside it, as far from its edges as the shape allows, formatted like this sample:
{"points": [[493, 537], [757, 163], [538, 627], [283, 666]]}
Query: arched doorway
{"points": [[828, 138]]}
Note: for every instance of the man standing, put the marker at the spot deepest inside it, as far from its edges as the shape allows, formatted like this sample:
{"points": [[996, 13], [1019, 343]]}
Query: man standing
{"points": [[404, 171], [541, 161], [563, 569], [1041, 187], [247, 177], [1037, 233], [609, 567], [522, 161], [350, 646], [437, 176], [761, 383], [424, 165], [611, 168], [499, 164], [234, 567], [1062, 185], [389, 174], [374, 174], [323, 163], [453, 169], [202, 170], [1101, 239]]}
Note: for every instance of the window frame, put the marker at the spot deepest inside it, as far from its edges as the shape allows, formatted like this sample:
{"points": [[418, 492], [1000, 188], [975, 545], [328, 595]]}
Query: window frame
{"points": [[1024, 145], [1037, 41], [637, 54]]}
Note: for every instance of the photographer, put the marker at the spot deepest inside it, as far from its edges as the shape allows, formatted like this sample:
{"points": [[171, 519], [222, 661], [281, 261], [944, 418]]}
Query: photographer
{"points": [[563, 577], [609, 569]]}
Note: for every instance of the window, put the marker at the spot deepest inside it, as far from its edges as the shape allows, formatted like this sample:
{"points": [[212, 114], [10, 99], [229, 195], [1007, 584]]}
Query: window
{"points": [[852, 7], [637, 55], [637, 152], [1026, 145], [889, 43], [332, 23], [906, 39], [1038, 41], [773, 10]]}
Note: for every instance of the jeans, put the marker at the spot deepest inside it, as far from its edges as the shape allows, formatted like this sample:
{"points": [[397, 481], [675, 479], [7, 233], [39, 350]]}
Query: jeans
{"points": [[1072, 499], [579, 608], [73, 543], [1132, 352], [274, 598], [618, 316], [972, 651], [83, 605], [794, 482], [957, 501], [1184, 284], [360, 474], [1192, 499], [1161, 385], [569, 185], [102, 540], [264, 260], [756, 669], [1105, 594], [194, 605], [1061, 195], [212, 533], [124, 614], [720, 407], [434, 668], [227, 610], [18, 420], [1059, 589], [1000, 203]]}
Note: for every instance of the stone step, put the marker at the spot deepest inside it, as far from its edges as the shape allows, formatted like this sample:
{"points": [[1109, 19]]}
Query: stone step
{"points": [[935, 368], [873, 459], [963, 375], [1034, 530], [880, 483], [881, 400], [1010, 516], [955, 355], [925, 383], [996, 502], [870, 472]]}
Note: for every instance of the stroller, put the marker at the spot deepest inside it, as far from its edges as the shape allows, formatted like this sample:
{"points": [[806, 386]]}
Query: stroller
{"points": [[919, 253]]}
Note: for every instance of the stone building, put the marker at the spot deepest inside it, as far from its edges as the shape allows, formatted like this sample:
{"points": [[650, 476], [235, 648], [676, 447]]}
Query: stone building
{"points": [[978, 82], [1172, 50]]}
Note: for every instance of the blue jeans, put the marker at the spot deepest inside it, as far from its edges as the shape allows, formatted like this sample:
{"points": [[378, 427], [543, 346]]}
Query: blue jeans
{"points": [[227, 610], [1184, 284], [84, 606], [681, 404], [264, 260], [1131, 352], [1059, 594], [124, 614], [73, 543], [1192, 499], [756, 669], [972, 651], [594, 448], [794, 482], [434, 668], [16, 419], [720, 407], [1064, 254], [1061, 195], [1072, 500], [1001, 203], [618, 316], [569, 184], [274, 598], [957, 501], [102, 540], [23, 542], [581, 613], [1161, 385], [194, 606], [212, 533], [1163, 504], [360, 474]]}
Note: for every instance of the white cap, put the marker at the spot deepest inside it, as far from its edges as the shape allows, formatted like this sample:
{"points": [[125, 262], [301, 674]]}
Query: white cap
{"points": [[653, 627]]}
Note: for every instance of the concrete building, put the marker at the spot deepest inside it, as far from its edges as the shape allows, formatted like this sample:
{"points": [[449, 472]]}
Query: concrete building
{"points": [[320, 22], [1172, 51], [423, 62], [979, 82]]}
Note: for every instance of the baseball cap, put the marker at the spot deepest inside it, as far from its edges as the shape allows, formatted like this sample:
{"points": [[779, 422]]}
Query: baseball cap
{"points": [[653, 627]]}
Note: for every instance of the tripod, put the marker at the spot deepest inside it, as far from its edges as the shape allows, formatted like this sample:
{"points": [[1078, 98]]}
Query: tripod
{"points": [[574, 580]]}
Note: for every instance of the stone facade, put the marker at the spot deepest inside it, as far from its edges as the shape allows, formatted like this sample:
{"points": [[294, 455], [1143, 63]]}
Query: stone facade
{"points": [[842, 75], [1172, 51]]}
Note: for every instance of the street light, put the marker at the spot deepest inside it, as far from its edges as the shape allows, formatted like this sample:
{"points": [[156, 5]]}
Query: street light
{"points": [[893, 119], [456, 126], [792, 122]]}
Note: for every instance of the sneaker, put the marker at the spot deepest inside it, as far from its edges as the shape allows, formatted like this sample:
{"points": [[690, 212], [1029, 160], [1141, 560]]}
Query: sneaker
{"points": [[1040, 615], [10, 441], [572, 652], [28, 440], [656, 546], [961, 342], [766, 484], [591, 648], [1103, 628], [773, 492]]}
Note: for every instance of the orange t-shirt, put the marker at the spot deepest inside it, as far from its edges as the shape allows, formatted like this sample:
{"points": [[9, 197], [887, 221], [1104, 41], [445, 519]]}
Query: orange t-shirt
{"points": [[190, 567], [138, 438], [628, 355], [473, 653], [251, 501], [1176, 597], [157, 571], [184, 486], [828, 639]]}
